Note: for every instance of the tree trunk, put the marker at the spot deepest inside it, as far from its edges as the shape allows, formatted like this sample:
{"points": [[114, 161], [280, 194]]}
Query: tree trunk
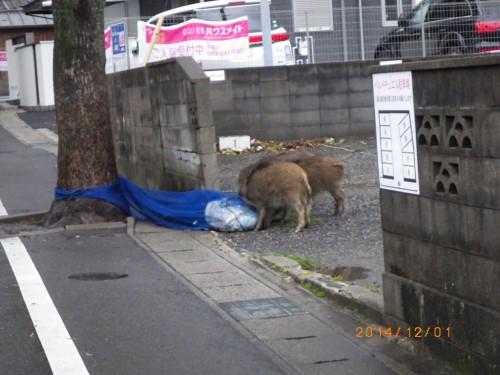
{"points": [[86, 156]]}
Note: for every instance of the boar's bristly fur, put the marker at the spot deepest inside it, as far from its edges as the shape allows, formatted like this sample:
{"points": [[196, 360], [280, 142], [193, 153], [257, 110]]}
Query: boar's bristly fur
{"points": [[273, 186], [324, 174]]}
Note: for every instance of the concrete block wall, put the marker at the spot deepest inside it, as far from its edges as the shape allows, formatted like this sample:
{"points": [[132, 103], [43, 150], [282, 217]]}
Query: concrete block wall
{"points": [[295, 102], [442, 247], [163, 126]]}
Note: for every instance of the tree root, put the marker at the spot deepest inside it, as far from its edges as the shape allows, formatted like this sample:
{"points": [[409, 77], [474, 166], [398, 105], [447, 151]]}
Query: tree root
{"points": [[81, 211]]}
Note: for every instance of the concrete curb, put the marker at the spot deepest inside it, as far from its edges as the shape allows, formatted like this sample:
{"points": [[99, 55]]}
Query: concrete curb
{"points": [[36, 216], [365, 302], [18, 217], [353, 297]]}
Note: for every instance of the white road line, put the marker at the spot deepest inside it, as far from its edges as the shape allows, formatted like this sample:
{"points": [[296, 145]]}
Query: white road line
{"points": [[3, 211], [59, 348]]}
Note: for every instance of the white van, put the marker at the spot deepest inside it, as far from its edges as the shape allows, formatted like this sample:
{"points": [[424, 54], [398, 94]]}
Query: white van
{"points": [[223, 10]]}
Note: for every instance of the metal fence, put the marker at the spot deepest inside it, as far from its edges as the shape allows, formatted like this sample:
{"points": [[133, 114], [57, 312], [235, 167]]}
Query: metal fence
{"points": [[355, 34]]}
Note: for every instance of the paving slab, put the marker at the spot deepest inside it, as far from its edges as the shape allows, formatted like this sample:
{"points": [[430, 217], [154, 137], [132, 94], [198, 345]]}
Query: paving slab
{"points": [[221, 294]]}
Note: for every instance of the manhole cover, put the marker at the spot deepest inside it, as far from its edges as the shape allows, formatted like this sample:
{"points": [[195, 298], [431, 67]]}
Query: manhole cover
{"points": [[262, 308], [98, 276]]}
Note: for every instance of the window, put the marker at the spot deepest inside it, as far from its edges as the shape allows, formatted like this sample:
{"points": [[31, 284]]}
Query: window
{"points": [[391, 9], [231, 13], [449, 9], [312, 15], [418, 14]]}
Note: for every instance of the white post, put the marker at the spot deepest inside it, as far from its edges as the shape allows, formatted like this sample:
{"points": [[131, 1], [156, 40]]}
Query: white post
{"points": [[265, 20], [361, 29]]}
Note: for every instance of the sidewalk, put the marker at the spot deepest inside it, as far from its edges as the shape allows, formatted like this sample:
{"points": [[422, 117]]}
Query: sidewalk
{"points": [[308, 335]]}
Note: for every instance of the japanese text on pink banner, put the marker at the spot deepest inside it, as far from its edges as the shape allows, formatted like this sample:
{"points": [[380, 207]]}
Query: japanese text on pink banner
{"points": [[201, 39]]}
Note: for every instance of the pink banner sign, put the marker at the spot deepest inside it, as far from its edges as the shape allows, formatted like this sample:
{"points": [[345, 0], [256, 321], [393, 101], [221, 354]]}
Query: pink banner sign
{"points": [[203, 40], [107, 47], [107, 38], [3, 61]]}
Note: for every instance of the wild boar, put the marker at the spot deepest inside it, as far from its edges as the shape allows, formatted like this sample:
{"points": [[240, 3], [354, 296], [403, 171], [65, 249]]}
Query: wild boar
{"points": [[323, 173], [275, 186]]}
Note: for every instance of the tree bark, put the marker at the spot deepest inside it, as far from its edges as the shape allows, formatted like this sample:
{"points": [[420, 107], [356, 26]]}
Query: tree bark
{"points": [[86, 155]]}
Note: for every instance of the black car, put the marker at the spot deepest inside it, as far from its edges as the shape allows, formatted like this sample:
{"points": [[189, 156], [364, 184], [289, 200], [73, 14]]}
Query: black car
{"points": [[450, 28]]}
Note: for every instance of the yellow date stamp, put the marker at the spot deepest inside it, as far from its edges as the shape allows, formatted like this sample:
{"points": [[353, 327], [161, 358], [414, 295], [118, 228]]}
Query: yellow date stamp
{"points": [[413, 332]]}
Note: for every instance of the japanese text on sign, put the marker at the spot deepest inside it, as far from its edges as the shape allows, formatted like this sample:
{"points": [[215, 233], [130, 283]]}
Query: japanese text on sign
{"points": [[396, 135], [391, 89], [118, 39], [199, 39]]}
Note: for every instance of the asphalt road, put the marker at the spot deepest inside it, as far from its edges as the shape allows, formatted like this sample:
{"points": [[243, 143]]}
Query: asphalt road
{"points": [[144, 321], [28, 176]]}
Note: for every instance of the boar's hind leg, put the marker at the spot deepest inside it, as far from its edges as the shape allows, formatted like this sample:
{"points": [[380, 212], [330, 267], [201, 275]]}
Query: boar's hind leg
{"points": [[262, 218], [302, 214], [340, 197], [303, 219]]}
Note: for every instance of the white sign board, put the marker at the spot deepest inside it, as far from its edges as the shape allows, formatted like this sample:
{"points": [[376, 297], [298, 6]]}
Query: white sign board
{"points": [[216, 75], [396, 135]]}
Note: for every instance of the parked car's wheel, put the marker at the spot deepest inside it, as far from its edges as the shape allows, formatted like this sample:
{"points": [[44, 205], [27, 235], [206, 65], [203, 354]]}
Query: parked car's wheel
{"points": [[454, 49], [384, 52]]}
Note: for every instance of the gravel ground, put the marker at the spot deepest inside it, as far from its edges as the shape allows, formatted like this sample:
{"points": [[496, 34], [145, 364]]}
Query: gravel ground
{"points": [[350, 246]]}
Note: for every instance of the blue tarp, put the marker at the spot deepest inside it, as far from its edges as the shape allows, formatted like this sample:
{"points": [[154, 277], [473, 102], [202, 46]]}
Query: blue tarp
{"points": [[200, 209], [109, 193]]}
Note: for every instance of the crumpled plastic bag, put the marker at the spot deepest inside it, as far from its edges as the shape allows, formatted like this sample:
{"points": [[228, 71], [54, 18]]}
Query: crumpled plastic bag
{"points": [[230, 214]]}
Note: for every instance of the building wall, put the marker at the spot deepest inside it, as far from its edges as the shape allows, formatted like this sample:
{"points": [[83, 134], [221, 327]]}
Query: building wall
{"points": [[442, 247], [163, 128], [294, 102], [39, 35], [30, 73]]}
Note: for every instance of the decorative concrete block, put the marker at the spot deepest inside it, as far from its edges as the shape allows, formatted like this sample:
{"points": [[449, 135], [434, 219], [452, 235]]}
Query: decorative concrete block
{"points": [[446, 272]]}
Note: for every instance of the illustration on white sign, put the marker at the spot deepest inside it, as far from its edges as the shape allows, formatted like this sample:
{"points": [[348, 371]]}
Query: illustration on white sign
{"points": [[396, 136]]}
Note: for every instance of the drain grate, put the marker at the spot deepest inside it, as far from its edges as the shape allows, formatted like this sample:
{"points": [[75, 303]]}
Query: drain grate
{"points": [[264, 308], [98, 276]]}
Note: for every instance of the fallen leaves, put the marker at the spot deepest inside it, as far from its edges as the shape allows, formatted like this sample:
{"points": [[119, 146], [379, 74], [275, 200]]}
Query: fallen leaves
{"points": [[274, 146]]}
